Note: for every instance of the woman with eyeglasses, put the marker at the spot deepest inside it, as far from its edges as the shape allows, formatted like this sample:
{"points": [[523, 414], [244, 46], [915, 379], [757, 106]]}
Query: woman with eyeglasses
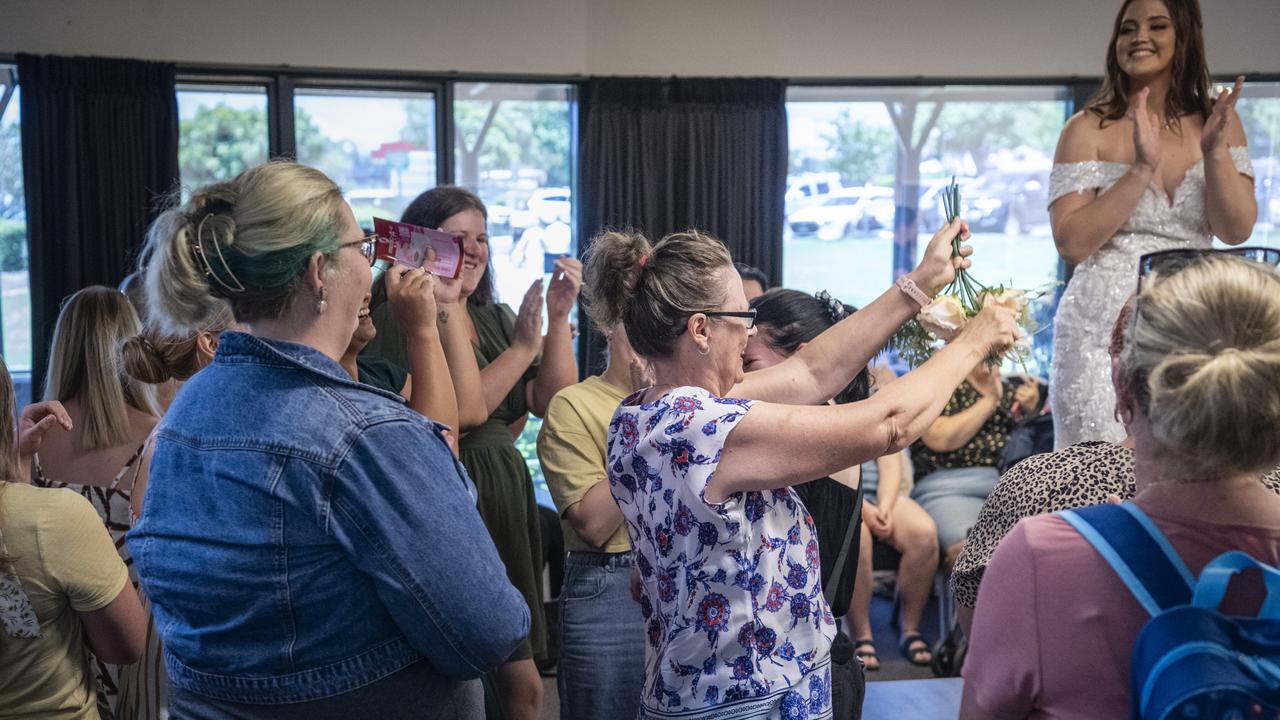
{"points": [[1199, 381], [702, 466], [309, 544], [1153, 162]]}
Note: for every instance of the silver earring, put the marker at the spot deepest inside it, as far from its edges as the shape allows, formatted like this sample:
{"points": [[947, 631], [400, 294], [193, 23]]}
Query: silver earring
{"points": [[323, 301], [704, 351]]}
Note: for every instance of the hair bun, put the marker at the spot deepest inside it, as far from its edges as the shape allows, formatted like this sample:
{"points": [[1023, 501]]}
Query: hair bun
{"points": [[144, 362]]}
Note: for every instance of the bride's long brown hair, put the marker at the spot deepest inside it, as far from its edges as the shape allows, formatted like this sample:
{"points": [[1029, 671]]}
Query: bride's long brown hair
{"points": [[1189, 89]]}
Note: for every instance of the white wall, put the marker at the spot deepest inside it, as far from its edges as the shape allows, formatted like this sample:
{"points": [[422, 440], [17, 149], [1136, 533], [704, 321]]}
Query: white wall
{"points": [[803, 38]]}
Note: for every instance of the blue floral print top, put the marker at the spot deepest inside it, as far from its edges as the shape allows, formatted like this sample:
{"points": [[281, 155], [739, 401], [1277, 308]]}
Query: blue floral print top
{"points": [[737, 626]]}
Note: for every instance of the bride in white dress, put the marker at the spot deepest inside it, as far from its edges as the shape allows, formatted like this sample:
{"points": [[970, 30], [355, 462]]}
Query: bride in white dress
{"points": [[1152, 163]]}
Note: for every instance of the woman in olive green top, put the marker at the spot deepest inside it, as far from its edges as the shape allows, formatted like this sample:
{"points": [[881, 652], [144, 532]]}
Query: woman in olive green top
{"points": [[519, 372]]}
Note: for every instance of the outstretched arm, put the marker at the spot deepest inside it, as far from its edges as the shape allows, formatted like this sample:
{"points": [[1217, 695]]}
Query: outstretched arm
{"points": [[822, 368], [777, 445]]}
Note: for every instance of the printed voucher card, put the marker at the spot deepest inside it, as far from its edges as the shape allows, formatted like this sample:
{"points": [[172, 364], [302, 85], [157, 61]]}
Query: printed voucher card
{"points": [[407, 245]]}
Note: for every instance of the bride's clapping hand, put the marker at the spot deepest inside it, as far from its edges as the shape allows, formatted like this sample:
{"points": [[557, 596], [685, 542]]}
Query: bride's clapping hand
{"points": [[938, 266], [1214, 135], [1146, 132]]}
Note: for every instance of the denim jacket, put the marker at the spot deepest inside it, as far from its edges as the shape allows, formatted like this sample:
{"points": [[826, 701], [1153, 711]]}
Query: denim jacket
{"points": [[304, 535]]}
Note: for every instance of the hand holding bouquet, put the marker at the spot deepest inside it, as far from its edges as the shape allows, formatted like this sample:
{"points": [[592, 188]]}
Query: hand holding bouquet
{"points": [[961, 300]]}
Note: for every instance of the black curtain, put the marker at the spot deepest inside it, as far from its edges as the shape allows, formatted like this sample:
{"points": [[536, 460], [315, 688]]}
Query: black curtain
{"points": [[666, 154], [99, 147]]}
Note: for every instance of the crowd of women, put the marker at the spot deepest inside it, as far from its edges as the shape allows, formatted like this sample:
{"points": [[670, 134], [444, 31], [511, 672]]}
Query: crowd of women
{"points": [[271, 478]]}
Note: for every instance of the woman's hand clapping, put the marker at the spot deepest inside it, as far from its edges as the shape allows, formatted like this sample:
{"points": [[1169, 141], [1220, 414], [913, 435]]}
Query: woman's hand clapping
{"points": [[528, 329], [1214, 135], [1146, 133], [566, 281]]}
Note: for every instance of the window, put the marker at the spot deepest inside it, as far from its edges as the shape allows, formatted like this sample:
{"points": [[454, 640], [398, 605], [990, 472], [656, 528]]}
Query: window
{"points": [[513, 146], [15, 291], [378, 145], [222, 131], [867, 168], [1259, 109]]}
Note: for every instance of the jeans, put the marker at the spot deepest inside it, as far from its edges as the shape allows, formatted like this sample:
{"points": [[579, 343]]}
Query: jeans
{"points": [[602, 639], [415, 693]]}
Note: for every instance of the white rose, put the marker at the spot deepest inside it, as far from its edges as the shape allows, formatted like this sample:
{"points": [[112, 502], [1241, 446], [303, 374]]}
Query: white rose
{"points": [[1015, 300], [943, 318]]}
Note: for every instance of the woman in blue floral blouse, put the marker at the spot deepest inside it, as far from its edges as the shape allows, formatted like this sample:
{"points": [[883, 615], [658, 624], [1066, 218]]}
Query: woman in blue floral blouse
{"points": [[702, 465]]}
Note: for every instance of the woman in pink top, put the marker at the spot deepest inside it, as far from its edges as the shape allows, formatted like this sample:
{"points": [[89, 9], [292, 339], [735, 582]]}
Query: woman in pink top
{"points": [[1199, 387]]}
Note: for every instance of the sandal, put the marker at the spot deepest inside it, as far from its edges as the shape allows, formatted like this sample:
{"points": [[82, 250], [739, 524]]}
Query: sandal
{"points": [[916, 649], [867, 656]]}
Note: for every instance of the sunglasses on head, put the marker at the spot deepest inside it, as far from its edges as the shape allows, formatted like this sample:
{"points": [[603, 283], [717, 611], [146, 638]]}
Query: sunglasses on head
{"points": [[1172, 261]]}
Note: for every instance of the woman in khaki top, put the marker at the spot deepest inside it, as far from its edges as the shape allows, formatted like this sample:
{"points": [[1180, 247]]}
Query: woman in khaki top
{"points": [[64, 591], [602, 648]]}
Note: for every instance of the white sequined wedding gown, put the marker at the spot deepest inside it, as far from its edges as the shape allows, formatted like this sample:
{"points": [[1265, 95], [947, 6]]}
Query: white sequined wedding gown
{"points": [[1080, 389]]}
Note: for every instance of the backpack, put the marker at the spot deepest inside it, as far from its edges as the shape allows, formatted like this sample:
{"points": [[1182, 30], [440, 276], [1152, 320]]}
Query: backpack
{"points": [[1190, 660]]}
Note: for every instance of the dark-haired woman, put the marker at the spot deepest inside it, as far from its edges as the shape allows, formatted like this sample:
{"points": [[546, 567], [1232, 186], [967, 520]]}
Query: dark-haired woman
{"points": [[788, 320], [520, 371], [1152, 163]]}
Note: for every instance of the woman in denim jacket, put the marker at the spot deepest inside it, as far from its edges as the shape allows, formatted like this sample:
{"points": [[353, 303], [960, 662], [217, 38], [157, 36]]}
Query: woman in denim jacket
{"points": [[295, 564]]}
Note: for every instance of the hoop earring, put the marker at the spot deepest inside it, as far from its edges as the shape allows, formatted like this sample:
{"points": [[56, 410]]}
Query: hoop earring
{"points": [[704, 351], [323, 302]]}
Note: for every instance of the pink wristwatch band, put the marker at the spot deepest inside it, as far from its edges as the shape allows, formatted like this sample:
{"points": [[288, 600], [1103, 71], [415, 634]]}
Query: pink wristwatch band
{"points": [[913, 291]]}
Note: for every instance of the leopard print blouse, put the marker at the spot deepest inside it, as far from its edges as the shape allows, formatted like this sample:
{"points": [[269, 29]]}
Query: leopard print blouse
{"points": [[986, 445], [1075, 476]]}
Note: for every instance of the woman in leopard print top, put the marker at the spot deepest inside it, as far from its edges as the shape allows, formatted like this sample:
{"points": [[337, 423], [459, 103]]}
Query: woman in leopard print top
{"points": [[1088, 473]]}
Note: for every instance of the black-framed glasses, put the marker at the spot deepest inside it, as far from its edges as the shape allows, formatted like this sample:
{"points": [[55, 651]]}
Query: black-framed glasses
{"points": [[1172, 261], [748, 315], [368, 246]]}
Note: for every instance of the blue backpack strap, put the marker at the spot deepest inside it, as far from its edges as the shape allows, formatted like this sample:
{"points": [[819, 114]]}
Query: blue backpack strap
{"points": [[1139, 553], [1212, 586]]}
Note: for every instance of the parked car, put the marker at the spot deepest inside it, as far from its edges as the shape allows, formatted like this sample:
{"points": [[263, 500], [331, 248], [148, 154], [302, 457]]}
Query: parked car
{"points": [[932, 213], [841, 213], [552, 204], [1011, 203], [806, 188]]}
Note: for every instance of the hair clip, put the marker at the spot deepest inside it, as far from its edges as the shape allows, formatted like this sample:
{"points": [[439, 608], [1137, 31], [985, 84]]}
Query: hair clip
{"points": [[835, 309], [198, 246]]}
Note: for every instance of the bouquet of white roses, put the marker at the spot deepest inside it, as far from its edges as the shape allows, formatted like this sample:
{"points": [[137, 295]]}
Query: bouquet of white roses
{"points": [[941, 320]]}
